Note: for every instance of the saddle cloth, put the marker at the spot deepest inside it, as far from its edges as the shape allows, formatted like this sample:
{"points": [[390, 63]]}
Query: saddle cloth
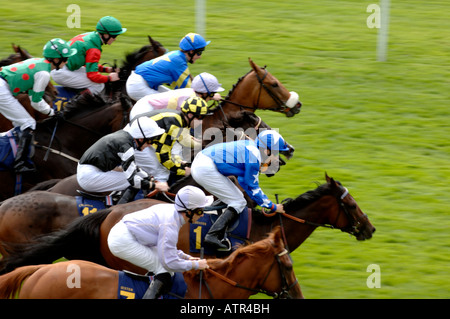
{"points": [[237, 233], [63, 96], [132, 286]]}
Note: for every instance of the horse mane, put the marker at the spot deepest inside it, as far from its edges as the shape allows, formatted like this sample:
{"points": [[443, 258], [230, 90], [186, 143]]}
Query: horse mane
{"points": [[260, 247], [305, 199], [232, 90], [136, 55]]}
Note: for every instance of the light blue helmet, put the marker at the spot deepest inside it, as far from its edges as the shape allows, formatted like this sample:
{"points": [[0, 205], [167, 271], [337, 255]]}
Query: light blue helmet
{"points": [[193, 41], [272, 140]]}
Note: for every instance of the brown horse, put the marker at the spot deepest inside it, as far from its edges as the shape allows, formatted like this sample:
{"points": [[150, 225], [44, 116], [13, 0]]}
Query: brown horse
{"points": [[264, 266], [257, 90], [329, 205], [60, 142]]}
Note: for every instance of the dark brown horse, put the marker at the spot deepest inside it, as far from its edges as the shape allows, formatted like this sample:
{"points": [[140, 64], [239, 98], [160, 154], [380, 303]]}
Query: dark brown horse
{"points": [[60, 142], [147, 52], [264, 266], [330, 205]]}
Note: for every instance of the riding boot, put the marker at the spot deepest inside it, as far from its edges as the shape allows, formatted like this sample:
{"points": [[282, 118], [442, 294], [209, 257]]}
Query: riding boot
{"points": [[216, 233], [22, 162], [128, 195], [160, 285]]}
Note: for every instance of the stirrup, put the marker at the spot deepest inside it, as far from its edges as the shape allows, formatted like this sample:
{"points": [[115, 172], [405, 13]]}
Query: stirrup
{"points": [[226, 242]]}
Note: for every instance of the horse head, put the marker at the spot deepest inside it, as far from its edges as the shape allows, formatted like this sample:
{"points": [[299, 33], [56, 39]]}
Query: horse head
{"points": [[146, 53], [272, 93], [349, 217]]}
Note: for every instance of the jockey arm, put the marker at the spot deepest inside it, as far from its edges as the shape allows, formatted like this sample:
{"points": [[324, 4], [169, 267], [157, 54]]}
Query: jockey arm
{"points": [[137, 177], [93, 68], [41, 80], [171, 258], [250, 180]]}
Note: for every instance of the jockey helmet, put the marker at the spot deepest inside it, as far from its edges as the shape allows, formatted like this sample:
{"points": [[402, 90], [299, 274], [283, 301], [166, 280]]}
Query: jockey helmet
{"points": [[196, 106], [57, 48], [206, 83], [271, 140], [144, 127], [110, 25], [191, 198], [193, 41]]}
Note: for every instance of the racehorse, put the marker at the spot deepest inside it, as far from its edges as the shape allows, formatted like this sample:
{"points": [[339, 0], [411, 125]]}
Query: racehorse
{"points": [[329, 205], [256, 90], [263, 267], [61, 141]]}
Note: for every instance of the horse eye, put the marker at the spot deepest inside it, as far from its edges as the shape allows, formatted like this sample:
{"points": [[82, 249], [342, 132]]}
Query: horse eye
{"points": [[275, 85]]}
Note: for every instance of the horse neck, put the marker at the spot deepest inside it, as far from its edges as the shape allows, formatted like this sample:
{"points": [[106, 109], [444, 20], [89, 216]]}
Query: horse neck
{"points": [[317, 213]]}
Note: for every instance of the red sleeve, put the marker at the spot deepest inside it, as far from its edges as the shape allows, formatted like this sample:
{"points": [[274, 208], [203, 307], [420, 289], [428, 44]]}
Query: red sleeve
{"points": [[93, 68]]}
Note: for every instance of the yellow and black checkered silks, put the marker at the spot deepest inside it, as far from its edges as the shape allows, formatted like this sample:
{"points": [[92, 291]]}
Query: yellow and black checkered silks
{"points": [[195, 105]]}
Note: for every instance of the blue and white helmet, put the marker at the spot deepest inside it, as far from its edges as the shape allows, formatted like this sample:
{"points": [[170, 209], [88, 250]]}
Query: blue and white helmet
{"points": [[272, 140], [193, 41]]}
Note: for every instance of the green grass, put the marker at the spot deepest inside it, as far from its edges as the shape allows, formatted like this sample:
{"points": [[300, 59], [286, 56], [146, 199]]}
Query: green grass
{"points": [[380, 128]]}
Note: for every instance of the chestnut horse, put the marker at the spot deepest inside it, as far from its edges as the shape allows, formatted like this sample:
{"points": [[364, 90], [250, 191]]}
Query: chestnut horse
{"points": [[263, 267], [60, 142], [329, 205], [257, 90]]}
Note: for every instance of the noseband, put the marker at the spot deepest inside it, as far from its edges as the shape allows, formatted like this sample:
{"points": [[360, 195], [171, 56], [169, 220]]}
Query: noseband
{"points": [[281, 106]]}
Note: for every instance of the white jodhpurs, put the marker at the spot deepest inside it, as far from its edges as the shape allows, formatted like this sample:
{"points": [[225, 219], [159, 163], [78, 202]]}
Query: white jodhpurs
{"points": [[13, 110], [204, 171], [93, 179], [137, 87], [76, 79], [147, 160], [123, 244]]}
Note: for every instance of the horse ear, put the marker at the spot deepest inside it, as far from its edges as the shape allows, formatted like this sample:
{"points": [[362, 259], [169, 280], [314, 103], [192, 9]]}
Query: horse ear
{"points": [[253, 65], [331, 181], [15, 48], [277, 236], [152, 42]]}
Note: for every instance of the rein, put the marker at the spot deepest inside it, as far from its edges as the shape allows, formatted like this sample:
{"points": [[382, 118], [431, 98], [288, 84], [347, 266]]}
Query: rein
{"points": [[303, 221], [285, 288], [281, 106]]}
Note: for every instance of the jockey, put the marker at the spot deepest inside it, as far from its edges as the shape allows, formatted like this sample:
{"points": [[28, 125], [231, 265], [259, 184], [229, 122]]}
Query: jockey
{"points": [[171, 69], [148, 238], [31, 76], [204, 85], [242, 159], [83, 69], [95, 171], [176, 124]]}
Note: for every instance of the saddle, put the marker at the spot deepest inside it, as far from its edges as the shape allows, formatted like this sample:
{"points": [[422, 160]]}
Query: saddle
{"points": [[134, 286], [236, 234]]}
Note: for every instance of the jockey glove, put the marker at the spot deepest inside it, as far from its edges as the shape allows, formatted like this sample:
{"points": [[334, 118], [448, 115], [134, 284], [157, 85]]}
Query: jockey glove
{"points": [[147, 184]]}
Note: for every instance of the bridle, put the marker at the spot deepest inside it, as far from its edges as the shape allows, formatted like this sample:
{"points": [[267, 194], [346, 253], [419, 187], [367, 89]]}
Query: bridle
{"points": [[285, 287], [281, 106], [352, 227]]}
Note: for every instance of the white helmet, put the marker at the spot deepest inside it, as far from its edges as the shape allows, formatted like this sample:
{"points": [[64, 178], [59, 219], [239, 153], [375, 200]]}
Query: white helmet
{"points": [[191, 197], [143, 127], [206, 83]]}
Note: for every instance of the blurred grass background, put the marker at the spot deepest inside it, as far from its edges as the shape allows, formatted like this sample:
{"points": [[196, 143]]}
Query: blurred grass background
{"points": [[381, 128]]}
